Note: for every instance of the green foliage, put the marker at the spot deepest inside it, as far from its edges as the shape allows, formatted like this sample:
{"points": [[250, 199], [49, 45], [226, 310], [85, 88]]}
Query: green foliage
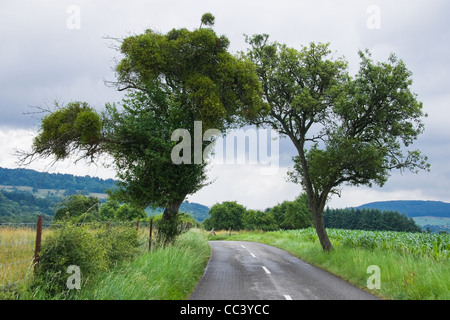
{"points": [[72, 245], [120, 242], [226, 215], [207, 20], [434, 246], [76, 205], [148, 176], [293, 214], [196, 67], [259, 220], [23, 207], [83, 209], [92, 250], [73, 127], [287, 215], [168, 230], [126, 212]]}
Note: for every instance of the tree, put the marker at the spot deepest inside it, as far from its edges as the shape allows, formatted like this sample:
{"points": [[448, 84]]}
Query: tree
{"points": [[127, 212], [226, 215], [293, 214], [347, 130], [75, 206], [259, 220], [171, 81], [112, 210]]}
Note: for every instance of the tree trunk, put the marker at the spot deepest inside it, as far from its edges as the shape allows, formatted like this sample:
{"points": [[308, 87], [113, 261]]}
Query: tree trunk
{"points": [[316, 204], [168, 228], [317, 214], [172, 210]]}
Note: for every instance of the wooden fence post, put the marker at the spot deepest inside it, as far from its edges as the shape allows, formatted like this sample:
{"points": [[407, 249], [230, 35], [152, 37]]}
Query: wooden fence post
{"points": [[37, 248], [150, 238]]}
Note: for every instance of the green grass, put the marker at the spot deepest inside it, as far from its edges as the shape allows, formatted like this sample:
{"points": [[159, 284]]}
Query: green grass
{"points": [[169, 273], [406, 273]]}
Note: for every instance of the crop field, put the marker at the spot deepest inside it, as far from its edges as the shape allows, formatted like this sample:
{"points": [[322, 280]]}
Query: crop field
{"points": [[436, 246]]}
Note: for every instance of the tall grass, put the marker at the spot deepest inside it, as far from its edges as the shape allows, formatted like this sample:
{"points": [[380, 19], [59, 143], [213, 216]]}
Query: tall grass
{"points": [[168, 273], [17, 244], [412, 266]]}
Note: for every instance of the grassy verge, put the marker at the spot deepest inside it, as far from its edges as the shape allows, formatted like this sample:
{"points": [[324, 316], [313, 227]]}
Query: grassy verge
{"points": [[402, 275], [113, 263], [169, 273]]}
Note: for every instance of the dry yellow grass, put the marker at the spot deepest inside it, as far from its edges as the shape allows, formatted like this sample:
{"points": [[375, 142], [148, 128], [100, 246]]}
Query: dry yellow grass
{"points": [[17, 245]]}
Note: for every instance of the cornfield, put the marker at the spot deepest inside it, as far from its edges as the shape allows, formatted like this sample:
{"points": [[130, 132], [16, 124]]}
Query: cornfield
{"points": [[435, 246]]}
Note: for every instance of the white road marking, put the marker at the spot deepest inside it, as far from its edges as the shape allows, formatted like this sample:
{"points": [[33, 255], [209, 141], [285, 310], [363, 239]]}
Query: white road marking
{"points": [[249, 251], [266, 270], [287, 297]]}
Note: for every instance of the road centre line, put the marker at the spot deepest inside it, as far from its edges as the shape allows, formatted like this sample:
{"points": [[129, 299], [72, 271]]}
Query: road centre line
{"points": [[286, 296], [249, 251], [266, 270]]}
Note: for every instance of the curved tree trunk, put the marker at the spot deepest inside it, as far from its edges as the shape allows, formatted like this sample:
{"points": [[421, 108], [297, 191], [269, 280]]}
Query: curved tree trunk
{"points": [[321, 231], [316, 203]]}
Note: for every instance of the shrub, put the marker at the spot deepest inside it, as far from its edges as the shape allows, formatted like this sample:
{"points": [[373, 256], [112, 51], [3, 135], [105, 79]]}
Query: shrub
{"points": [[91, 249], [70, 245], [121, 243]]}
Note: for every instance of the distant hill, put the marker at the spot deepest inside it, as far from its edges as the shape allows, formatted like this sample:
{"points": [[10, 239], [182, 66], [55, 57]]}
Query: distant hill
{"points": [[413, 208], [198, 211], [56, 181], [53, 186]]}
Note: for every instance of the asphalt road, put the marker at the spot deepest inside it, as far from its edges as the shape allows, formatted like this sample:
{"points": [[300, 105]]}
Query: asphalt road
{"points": [[240, 270]]}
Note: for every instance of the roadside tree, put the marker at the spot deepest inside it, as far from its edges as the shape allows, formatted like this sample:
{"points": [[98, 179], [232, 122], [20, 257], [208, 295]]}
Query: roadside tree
{"points": [[347, 130], [171, 80]]}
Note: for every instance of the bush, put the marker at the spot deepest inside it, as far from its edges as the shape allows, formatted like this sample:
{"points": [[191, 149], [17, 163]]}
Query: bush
{"points": [[89, 249], [71, 245], [121, 243]]}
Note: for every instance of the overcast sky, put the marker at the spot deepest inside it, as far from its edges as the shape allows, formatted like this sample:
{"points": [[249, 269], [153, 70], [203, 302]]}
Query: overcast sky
{"points": [[58, 49]]}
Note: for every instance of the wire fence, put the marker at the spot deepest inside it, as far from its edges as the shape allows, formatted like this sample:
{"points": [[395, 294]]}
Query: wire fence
{"points": [[17, 248], [20, 244]]}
